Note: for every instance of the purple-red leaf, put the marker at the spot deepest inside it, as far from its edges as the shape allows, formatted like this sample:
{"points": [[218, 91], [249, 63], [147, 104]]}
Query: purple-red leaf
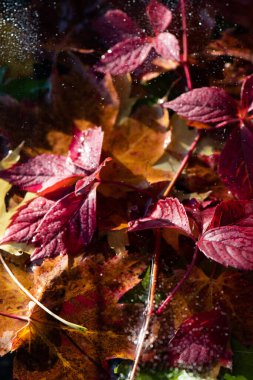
{"points": [[236, 163], [247, 94], [229, 246], [42, 172], [125, 56], [200, 341], [159, 16], [115, 25], [64, 221], [85, 148], [67, 227], [205, 105], [167, 213], [26, 220], [233, 212], [167, 46]]}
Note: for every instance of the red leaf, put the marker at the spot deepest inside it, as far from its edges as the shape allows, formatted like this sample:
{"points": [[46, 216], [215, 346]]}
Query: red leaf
{"points": [[229, 246], [233, 212], [200, 341], [26, 220], [42, 172], [167, 46], [65, 223], [159, 16], [167, 213], [85, 148], [115, 25], [125, 56], [247, 94], [83, 183], [205, 105], [236, 163], [67, 227]]}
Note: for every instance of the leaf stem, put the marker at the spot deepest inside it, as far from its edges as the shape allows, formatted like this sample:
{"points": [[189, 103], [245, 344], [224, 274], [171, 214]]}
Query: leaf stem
{"points": [[163, 306], [14, 316], [29, 295], [183, 164], [150, 303], [185, 46]]}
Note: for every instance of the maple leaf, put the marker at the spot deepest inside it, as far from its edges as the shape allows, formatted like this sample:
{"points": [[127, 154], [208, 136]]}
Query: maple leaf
{"points": [[13, 303], [88, 294], [61, 216], [230, 291], [136, 45], [201, 340], [212, 105]]}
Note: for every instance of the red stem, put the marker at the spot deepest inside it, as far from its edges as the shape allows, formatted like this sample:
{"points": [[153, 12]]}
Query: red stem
{"points": [[163, 306], [185, 46], [13, 316]]}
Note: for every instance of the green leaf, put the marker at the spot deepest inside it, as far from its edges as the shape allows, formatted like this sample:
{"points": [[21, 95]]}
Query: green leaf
{"points": [[173, 374], [24, 88], [242, 361], [230, 377], [123, 370]]}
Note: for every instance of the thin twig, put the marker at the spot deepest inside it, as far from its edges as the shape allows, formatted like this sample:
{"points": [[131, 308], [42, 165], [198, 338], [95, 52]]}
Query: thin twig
{"points": [[150, 304], [29, 295], [162, 307]]}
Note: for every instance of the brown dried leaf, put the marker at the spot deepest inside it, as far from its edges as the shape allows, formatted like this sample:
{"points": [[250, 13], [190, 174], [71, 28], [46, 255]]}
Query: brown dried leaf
{"points": [[87, 293], [13, 302]]}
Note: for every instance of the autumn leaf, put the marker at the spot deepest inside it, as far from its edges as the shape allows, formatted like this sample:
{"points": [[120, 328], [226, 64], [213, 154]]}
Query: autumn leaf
{"points": [[168, 213], [14, 304], [228, 240], [54, 221], [235, 166], [212, 105], [79, 301], [159, 16], [205, 105], [133, 50], [200, 340]]}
